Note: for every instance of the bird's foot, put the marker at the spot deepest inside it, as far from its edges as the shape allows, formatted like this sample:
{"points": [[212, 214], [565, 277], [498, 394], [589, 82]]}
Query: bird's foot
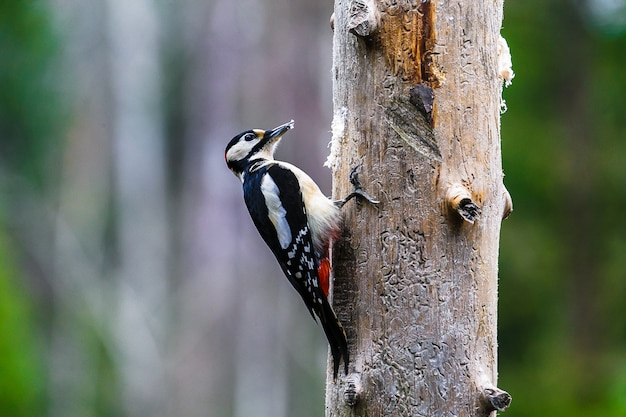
{"points": [[358, 191]]}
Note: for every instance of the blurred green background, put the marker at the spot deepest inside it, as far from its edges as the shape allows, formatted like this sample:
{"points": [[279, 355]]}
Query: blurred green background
{"points": [[123, 288]]}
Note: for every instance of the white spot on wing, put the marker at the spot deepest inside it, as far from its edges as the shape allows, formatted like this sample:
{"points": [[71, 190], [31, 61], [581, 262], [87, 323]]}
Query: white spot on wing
{"points": [[322, 215], [276, 211]]}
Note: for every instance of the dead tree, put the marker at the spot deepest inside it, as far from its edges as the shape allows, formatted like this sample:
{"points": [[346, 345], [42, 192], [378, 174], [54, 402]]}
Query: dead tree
{"points": [[417, 100]]}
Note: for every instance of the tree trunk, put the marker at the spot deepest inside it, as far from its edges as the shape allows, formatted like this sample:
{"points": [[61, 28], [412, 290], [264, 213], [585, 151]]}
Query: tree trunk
{"points": [[416, 107]]}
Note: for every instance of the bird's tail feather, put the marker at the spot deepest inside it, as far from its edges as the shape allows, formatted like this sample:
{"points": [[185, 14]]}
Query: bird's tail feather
{"points": [[336, 336]]}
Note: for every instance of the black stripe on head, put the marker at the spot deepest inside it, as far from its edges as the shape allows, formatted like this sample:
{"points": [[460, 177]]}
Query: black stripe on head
{"points": [[235, 140], [235, 149], [239, 164], [259, 146]]}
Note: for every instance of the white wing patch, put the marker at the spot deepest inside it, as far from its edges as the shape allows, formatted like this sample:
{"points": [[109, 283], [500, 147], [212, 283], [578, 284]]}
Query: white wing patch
{"points": [[276, 211], [323, 217]]}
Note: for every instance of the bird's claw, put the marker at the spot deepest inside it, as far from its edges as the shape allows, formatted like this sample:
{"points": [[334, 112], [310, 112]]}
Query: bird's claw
{"points": [[358, 191]]}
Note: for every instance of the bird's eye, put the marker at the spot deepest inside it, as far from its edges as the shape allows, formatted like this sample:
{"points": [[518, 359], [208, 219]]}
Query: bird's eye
{"points": [[249, 137]]}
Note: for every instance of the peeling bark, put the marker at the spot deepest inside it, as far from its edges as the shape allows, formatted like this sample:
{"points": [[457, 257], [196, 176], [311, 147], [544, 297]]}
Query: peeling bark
{"points": [[417, 104]]}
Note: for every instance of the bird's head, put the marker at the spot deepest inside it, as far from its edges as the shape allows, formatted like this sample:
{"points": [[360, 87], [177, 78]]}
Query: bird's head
{"points": [[252, 145]]}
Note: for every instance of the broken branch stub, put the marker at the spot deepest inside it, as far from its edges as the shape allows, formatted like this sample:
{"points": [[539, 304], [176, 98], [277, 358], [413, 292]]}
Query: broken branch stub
{"points": [[363, 20]]}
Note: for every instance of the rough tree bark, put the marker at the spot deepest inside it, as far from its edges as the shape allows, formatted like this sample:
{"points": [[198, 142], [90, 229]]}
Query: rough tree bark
{"points": [[417, 97]]}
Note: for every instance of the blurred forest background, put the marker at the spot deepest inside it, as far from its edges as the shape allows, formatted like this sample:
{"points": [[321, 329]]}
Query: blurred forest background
{"points": [[133, 283]]}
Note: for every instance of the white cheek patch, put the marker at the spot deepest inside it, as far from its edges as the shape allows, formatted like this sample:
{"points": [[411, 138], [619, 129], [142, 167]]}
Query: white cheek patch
{"points": [[240, 150], [276, 211]]}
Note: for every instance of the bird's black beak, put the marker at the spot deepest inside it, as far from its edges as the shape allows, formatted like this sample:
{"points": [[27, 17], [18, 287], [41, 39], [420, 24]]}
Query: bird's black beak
{"points": [[277, 132]]}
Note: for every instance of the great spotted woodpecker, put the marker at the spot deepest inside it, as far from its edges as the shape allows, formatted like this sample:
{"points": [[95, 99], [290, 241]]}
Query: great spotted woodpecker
{"points": [[295, 220]]}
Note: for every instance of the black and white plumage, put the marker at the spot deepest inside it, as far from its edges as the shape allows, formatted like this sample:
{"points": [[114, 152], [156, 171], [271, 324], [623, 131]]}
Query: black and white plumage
{"points": [[294, 219]]}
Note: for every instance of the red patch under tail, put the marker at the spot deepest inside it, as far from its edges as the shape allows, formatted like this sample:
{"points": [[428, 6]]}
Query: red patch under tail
{"points": [[323, 273]]}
